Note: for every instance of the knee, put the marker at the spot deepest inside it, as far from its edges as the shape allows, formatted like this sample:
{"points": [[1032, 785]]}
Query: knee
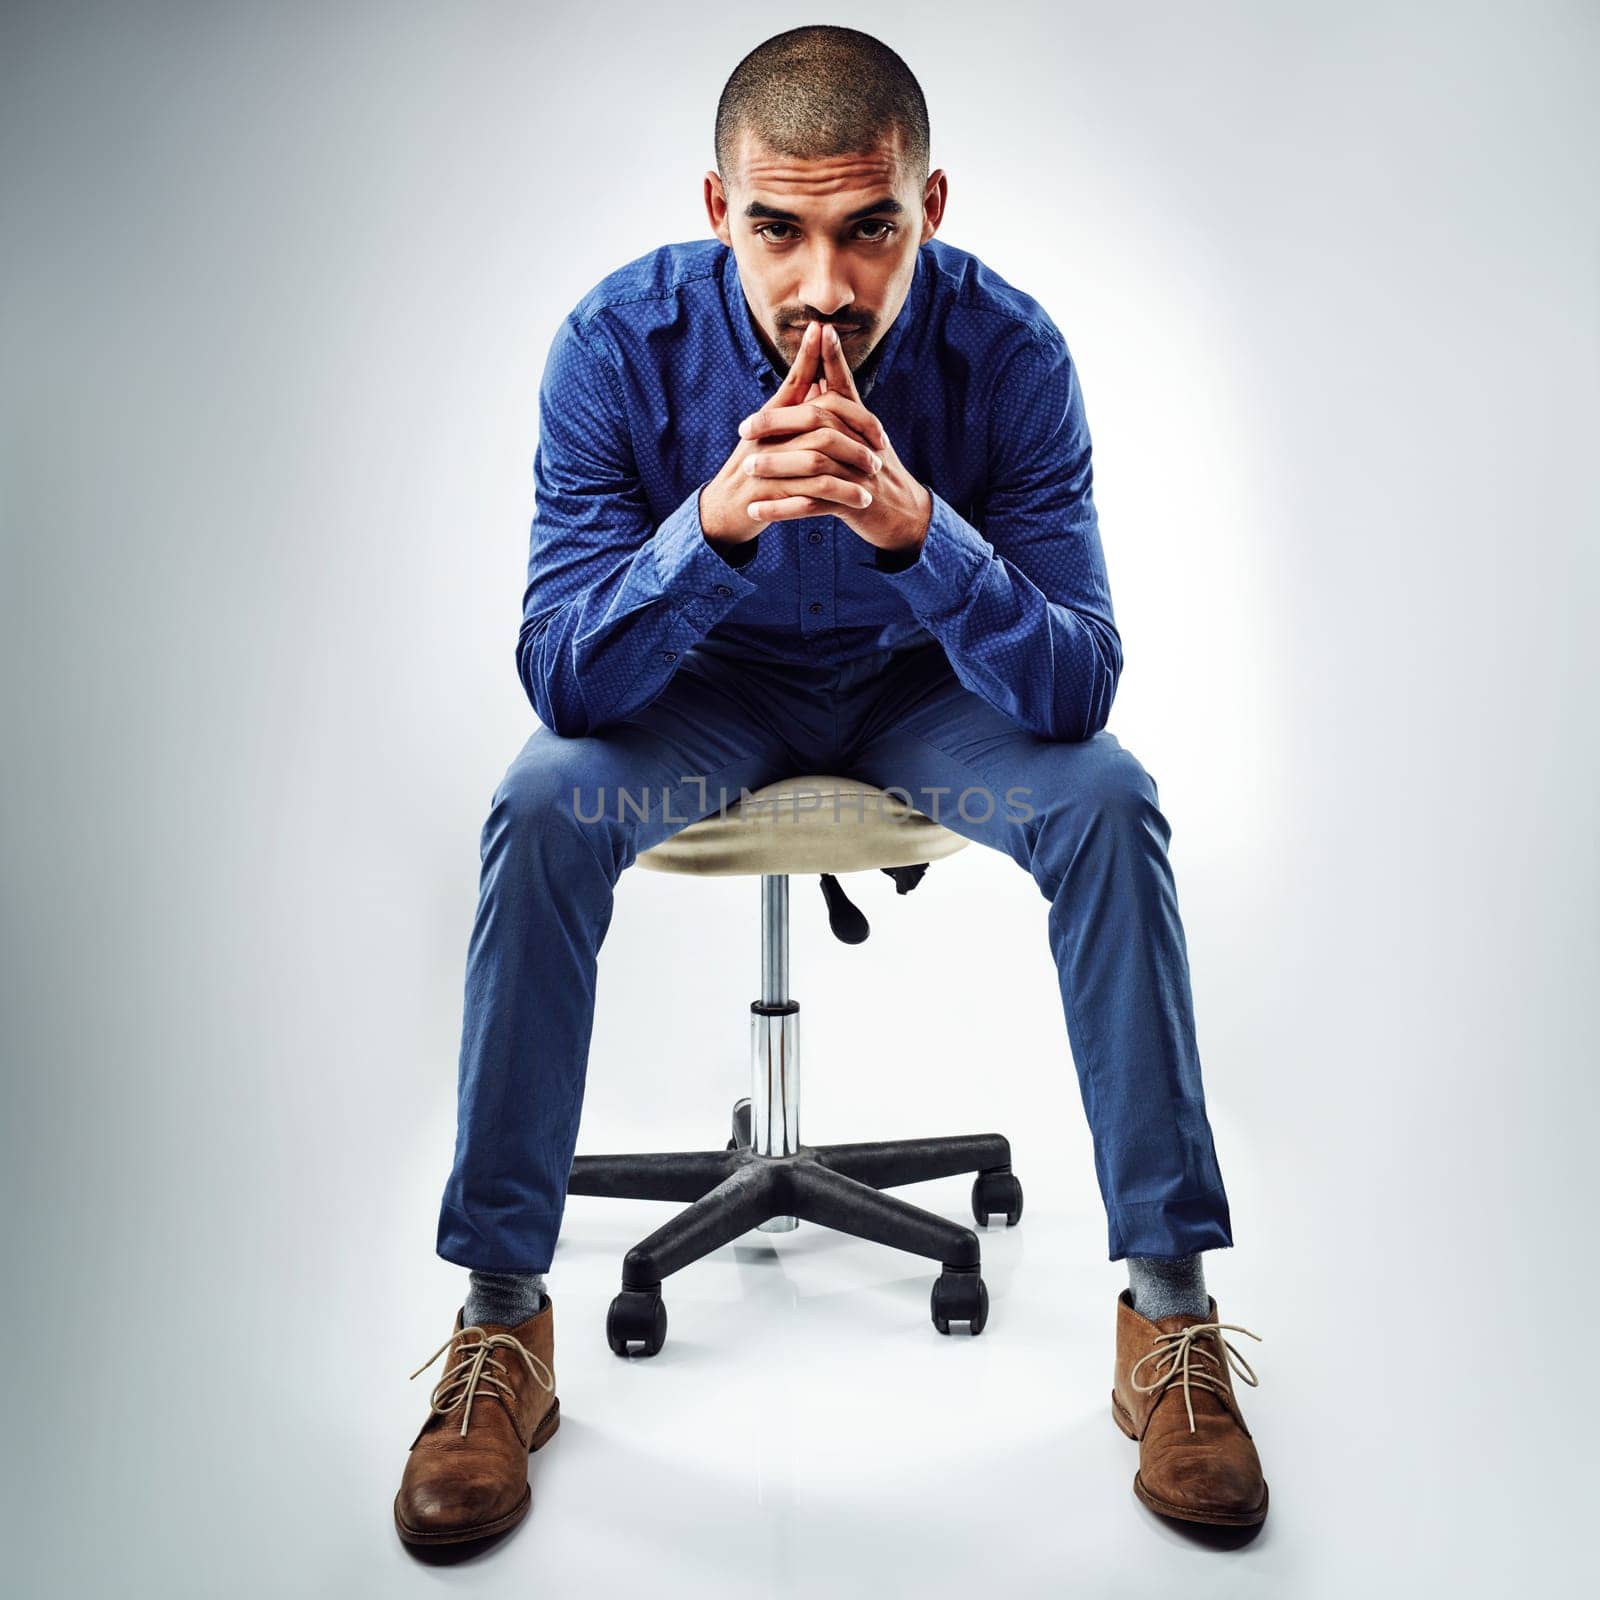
{"points": [[552, 792], [538, 785], [1117, 787], [1105, 793]]}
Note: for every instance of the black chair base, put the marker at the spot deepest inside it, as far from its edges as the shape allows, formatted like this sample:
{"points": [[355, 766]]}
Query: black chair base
{"points": [[835, 1185]]}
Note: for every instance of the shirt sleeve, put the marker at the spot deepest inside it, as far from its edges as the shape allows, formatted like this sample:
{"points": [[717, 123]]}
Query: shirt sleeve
{"points": [[1019, 598], [613, 599]]}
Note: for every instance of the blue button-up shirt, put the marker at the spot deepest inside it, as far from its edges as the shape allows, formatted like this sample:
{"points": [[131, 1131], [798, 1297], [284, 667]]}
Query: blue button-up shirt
{"points": [[646, 383]]}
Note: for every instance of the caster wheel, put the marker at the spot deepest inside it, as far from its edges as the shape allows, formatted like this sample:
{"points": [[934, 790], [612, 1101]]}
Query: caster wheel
{"points": [[637, 1314], [960, 1297], [741, 1126], [996, 1191]]}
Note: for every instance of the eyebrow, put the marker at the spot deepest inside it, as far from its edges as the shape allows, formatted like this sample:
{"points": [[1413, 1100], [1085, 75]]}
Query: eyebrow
{"points": [[757, 209]]}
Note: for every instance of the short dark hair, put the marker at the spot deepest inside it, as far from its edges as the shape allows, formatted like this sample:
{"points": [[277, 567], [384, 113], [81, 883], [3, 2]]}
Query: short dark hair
{"points": [[823, 91]]}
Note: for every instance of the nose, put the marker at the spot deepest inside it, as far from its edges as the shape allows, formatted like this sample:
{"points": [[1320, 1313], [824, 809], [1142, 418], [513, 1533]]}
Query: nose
{"points": [[824, 289]]}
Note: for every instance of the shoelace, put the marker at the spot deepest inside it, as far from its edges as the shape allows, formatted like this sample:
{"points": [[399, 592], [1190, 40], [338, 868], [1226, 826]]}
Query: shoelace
{"points": [[469, 1371], [1179, 1347]]}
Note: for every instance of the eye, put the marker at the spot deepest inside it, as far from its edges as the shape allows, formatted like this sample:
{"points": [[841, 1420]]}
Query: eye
{"points": [[876, 238]]}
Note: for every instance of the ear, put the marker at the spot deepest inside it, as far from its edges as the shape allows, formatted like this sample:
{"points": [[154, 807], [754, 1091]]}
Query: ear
{"points": [[934, 194], [717, 207]]}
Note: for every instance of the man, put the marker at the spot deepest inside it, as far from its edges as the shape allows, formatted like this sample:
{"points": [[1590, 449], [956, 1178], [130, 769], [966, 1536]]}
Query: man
{"points": [[816, 495]]}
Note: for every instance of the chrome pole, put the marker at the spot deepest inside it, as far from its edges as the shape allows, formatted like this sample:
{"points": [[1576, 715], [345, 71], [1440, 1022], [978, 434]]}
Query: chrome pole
{"points": [[775, 1042]]}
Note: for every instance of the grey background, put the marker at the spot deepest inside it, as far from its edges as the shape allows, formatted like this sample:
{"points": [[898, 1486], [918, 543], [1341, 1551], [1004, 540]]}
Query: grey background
{"points": [[278, 286]]}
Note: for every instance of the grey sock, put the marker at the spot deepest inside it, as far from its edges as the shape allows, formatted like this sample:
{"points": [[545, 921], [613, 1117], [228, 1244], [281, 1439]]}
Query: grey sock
{"points": [[1165, 1287], [504, 1297]]}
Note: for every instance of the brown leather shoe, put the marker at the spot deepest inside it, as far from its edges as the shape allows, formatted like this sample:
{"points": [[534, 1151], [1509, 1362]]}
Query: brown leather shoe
{"points": [[1173, 1392], [467, 1474]]}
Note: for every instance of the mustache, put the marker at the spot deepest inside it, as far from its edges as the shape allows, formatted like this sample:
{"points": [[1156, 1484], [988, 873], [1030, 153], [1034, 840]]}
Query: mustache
{"points": [[843, 327]]}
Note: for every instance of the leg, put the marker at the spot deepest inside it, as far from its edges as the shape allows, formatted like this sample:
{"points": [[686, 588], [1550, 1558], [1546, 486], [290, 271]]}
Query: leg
{"points": [[819, 1194], [742, 1200], [1084, 819], [550, 862]]}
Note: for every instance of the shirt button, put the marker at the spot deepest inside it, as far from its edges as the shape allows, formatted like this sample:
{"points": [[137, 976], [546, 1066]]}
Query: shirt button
{"points": [[669, 655], [816, 608], [814, 537], [722, 588]]}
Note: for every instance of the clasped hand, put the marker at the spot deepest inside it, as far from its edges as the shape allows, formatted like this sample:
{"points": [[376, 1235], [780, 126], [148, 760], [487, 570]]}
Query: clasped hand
{"points": [[815, 450]]}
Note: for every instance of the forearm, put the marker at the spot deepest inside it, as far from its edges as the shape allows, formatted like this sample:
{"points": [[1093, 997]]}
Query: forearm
{"points": [[1051, 665], [592, 660]]}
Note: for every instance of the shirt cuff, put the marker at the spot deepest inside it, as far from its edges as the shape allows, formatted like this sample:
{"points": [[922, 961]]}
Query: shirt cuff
{"points": [[739, 555], [691, 569], [945, 573]]}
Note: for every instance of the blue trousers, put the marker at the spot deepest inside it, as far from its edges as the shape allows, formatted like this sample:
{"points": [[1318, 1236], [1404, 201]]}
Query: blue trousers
{"points": [[1081, 817]]}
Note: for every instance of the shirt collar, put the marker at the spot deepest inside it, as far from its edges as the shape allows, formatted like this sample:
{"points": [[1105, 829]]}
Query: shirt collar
{"points": [[755, 356]]}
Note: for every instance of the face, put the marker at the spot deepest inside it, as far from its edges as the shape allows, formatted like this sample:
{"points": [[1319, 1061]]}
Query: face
{"points": [[832, 240]]}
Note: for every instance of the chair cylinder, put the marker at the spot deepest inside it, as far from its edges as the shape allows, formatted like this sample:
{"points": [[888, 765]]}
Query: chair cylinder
{"points": [[775, 1042], [774, 938]]}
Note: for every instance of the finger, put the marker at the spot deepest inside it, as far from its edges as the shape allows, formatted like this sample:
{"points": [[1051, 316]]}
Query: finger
{"points": [[841, 380], [801, 370], [794, 506], [836, 491], [826, 450], [825, 411], [789, 396], [852, 413]]}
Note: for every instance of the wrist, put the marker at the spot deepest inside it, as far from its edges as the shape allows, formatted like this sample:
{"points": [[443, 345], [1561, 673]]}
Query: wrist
{"points": [[915, 532], [717, 533]]}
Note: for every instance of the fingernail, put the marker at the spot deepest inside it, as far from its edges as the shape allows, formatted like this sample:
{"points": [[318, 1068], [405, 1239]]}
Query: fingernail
{"points": [[833, 334], [877, 464], [866, 498], [744, 428]]}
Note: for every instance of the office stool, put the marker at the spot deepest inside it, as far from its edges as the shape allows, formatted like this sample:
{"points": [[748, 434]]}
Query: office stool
{"points": [[766, 1178]]}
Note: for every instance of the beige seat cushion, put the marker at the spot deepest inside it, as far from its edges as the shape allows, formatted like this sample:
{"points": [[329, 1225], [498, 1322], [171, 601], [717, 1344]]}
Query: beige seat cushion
{"points": [[806, 824]]}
